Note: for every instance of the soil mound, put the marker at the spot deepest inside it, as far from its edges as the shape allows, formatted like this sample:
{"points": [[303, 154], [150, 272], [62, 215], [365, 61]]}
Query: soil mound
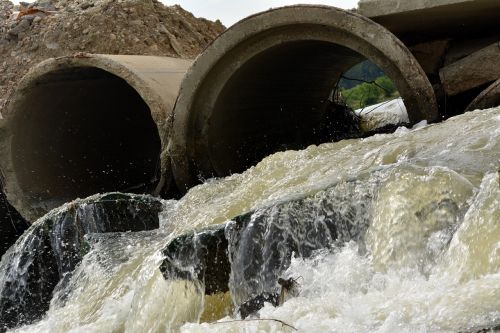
{"points": [[30, 33]]}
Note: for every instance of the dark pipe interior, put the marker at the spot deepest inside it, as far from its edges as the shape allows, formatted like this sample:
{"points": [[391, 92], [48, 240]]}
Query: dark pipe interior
{"points": [[276, 101], [80, 131]]}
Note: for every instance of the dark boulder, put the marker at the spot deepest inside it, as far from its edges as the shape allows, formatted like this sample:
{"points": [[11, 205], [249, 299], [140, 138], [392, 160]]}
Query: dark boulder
{"points": [[199, 256], [12, 224], [250, 254], [54, 245]]}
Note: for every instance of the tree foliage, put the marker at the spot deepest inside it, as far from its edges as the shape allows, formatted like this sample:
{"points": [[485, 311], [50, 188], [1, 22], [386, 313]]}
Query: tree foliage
{"points": [[369, 93], [364, 71]]}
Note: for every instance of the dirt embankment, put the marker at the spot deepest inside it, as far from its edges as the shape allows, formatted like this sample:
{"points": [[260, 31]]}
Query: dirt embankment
{"points": [[53, 28]]}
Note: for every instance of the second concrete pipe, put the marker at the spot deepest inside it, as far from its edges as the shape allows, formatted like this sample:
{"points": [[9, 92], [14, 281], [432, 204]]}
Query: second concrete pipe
{"points": [[96, 123], [264, 85]]}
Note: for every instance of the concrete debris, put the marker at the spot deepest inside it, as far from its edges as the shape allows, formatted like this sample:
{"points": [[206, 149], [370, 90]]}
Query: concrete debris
{"points": [[33, 32], [376, 116], [372, 8], [476, 69]]}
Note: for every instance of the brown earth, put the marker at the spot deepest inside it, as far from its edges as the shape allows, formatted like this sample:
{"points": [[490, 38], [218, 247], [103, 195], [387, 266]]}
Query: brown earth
{"points": [[53, 28]]}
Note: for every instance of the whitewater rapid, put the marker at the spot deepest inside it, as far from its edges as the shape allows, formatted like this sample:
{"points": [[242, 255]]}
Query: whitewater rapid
{"points": [[427, 261]]}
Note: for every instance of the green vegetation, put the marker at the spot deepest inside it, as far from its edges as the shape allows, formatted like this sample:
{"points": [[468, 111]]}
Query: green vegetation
{"points": [[366, 84], [364, 71], [369, 93]]}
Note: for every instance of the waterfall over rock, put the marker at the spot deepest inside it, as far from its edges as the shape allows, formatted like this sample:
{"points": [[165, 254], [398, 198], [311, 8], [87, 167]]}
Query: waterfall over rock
{"points": [[54, 245], [395, 232]]}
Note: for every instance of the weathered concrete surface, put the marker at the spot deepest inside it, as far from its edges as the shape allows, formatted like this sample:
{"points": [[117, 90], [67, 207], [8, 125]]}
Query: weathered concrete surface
{"points": [[383, 114], [88, 124], [430, 55], [472, 71], [262, 86], [490, 97], [459, 49], [413, 20], [373, 8], [441, 33]]}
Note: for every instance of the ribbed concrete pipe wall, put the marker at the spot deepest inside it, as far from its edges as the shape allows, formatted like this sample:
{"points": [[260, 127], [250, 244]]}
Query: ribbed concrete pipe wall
{"points": [[87, 124], [262, 86]]}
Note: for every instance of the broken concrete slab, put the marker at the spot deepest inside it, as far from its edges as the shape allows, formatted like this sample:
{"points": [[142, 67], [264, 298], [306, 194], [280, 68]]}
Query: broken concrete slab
{"points": [[424, 20], [392, 112], [430, 55], [472, 71], [374, 8]]}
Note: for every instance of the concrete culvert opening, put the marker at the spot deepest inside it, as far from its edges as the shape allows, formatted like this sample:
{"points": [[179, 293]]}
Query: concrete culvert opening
{"points": [[277, 101], [289, 97], [82, 130], [265, 85]]}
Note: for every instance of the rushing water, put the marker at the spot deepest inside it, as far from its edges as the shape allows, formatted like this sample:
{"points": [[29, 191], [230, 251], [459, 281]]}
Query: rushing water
{"points": [[420, 250]]}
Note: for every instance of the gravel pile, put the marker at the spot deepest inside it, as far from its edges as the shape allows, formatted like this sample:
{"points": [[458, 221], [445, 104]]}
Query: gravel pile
{"points": [[33, 32]]}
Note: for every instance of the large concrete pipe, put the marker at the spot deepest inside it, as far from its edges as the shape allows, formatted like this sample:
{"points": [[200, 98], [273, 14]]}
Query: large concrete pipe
{"points": [[263, 86], [87, 124]]}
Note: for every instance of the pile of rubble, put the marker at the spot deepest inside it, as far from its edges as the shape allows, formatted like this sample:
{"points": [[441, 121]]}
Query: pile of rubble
{"points": [[30, 33]]}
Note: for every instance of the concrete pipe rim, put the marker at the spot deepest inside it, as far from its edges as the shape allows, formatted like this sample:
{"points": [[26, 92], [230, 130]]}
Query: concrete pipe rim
{"points": [[488, 98], [17, 196], [386, 50]]}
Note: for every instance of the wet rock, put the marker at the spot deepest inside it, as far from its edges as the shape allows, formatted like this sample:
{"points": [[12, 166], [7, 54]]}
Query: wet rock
{"points": [[262, 243], [249, 254], [27, 280], [53, 246], [12, 224], [200, 256]]}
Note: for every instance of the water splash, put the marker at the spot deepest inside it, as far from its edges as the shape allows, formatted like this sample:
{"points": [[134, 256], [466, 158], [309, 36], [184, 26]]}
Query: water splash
{"points": [[440, 184]]}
